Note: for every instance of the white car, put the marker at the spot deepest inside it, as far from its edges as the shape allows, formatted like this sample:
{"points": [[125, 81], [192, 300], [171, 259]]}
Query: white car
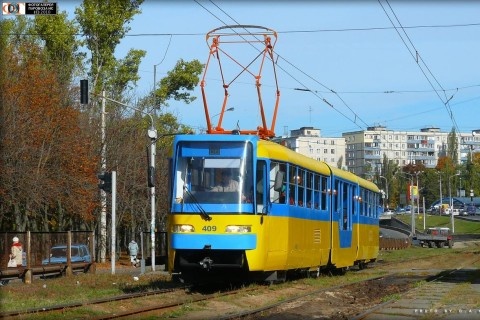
{"points": [[389, 212], [448, 211]]}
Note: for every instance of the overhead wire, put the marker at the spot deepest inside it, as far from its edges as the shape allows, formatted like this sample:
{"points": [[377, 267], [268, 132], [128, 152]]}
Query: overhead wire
{"points": [[417, 57], [189, 34], [319, 96]]}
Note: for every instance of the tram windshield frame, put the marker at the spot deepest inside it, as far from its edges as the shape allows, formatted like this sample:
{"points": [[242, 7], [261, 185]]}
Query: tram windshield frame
{"points": [[213, 176]]}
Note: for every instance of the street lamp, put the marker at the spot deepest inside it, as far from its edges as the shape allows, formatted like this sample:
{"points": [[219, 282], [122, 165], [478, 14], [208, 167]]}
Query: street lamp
{"points": [[386, 188], [418, 193], [471, 146], [229, 109], [152, 134], [441, 197], [216, 115], [410, 179], [418, 200], [451, 200]]}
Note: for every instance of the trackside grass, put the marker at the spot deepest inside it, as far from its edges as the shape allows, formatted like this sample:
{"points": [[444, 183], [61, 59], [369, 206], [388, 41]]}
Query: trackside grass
{"points": [[461, 226], [84, 287]]}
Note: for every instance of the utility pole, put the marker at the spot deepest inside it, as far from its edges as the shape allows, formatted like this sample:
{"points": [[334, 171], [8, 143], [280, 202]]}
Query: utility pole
{"points": [[103, 194], [152, 134], [114, 219], [103, 166], [452, 220], [412, 212], [440, 206], [410, 189]]}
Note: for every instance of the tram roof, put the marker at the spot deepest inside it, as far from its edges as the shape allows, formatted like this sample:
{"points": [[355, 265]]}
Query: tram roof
{"points": [[273, 150]]}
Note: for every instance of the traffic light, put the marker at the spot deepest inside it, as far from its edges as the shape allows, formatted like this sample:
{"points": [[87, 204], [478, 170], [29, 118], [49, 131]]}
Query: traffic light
{"points": [[84, 91], [106, 184]]}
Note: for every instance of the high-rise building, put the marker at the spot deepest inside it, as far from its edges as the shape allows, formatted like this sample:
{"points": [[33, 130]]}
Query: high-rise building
{"points": [[366, 149], [309, 142], [362, 152]]}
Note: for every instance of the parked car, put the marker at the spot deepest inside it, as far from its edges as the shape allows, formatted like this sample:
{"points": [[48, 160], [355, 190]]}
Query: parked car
{"points": [[470, 210], [58, 254], [454, 211]]}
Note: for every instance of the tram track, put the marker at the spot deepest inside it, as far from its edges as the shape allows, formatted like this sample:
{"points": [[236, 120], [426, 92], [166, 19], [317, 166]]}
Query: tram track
{"points": [[251, 313], [263, 302], [435, 293], [74, 305], [405, 285]]}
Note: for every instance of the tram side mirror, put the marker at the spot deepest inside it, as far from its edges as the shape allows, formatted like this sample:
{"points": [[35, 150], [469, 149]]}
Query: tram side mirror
{"points": [[278, 185]]}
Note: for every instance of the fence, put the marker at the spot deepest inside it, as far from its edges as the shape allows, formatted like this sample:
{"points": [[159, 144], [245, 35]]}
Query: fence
{"points": [[36, 253], [394, 244], [37, 246]]}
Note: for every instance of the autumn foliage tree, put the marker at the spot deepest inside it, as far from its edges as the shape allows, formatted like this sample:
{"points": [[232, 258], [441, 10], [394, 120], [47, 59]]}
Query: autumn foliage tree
{"points": [[50, 144], [47, 167]]}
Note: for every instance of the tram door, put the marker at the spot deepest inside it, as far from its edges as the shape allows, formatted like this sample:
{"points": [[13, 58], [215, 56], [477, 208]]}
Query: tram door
{"points": [[345, 206]]}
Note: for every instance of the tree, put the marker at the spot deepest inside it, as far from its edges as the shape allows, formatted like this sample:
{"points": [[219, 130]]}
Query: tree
{"points": [[104, 24], [50, 145], [46, 168], [340, 162], [452, 142], [60, 45], [183, 78]]}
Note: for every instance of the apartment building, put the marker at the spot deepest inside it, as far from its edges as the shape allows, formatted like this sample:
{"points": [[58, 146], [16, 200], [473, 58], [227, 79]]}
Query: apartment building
{"points": [[362, 152], [365, 149], [308, 141]]}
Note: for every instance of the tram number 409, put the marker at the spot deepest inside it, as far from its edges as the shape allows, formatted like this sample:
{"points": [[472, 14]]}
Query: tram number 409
{"points": [[209, 228]]}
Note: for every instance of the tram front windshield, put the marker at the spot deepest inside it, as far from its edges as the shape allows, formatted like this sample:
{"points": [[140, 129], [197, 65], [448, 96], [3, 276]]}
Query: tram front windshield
{"points": [[213, 173]]}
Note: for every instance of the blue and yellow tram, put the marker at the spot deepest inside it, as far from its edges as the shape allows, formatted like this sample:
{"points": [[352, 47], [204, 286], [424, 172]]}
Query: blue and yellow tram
{"points": [[283, 213]]}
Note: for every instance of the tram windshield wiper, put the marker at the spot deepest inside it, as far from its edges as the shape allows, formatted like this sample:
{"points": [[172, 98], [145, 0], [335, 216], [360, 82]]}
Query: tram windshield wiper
{"points": [[197, 205]]}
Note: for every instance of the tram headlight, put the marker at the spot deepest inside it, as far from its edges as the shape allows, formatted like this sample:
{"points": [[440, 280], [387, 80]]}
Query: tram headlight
{"points": [[183, 228], [238, 229]]}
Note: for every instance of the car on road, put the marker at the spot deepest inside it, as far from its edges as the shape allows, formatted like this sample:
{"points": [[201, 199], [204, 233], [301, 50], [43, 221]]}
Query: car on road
{"points": [[58, 254], [470, 210], [388, 212]]}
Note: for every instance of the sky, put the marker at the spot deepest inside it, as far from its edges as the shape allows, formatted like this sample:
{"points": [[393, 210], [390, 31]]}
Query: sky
{"points": [[405, 65]]}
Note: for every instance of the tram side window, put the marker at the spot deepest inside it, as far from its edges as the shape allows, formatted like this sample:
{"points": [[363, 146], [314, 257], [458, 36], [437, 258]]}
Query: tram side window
{"points": [[373, 207], [292, 181], [362, 202], [301, 187], [261, 166], [336, 198], [352, 198], [369, 204], [323, 187], [277, 170], [309, 189], [345, 205], [317, 189]]}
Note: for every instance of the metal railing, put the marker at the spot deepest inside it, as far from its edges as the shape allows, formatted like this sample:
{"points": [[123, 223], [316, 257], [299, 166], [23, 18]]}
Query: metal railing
{"points": [[36, 250]]}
